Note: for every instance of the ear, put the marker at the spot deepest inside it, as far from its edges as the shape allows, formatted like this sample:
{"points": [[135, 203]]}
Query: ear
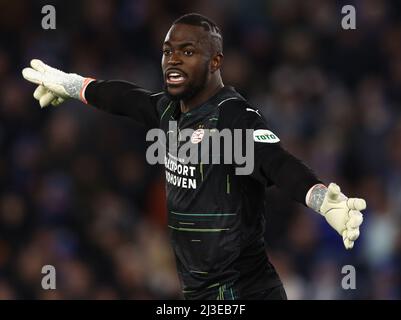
{"points": [[216, 62]]}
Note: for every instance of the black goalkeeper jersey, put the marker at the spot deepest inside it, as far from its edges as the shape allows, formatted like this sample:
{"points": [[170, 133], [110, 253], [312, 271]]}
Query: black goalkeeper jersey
{"points": [[215, 216]]}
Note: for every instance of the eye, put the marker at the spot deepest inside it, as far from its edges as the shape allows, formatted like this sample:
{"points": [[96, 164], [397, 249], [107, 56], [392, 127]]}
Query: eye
{"points": [[167, 52], [188, 52]]}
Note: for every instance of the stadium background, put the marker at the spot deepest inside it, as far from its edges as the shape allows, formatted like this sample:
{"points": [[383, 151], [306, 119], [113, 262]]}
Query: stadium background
{"points": [[77, 193]]}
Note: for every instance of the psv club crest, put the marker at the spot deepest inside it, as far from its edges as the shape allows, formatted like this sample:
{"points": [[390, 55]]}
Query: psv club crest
{"points": [[197, 136]]}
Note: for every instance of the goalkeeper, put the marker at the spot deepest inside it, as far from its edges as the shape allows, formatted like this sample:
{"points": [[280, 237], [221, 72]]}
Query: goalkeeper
{"points": [[217, 221]]}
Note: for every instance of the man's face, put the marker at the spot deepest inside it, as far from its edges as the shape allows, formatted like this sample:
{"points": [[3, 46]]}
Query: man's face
{"points": [[186, 61]]}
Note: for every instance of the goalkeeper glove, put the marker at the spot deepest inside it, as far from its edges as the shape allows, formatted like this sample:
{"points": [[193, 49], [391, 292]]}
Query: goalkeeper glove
{"points": [[342, 214], [55, 86]]}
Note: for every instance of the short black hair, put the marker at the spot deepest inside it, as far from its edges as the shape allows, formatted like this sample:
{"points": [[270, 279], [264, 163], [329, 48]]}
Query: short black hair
{"points": [[196, 19]]}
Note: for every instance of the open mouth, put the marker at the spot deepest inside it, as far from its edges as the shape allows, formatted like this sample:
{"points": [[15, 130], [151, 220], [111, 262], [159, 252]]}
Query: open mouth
{"points": [[175, 77]]}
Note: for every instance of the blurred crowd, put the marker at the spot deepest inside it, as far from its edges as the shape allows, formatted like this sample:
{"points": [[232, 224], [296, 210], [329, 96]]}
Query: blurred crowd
{"points": [[76, 191]]}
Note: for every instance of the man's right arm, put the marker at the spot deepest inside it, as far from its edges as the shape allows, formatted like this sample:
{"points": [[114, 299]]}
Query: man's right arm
{"points": [[123, 98], [117, 97]]}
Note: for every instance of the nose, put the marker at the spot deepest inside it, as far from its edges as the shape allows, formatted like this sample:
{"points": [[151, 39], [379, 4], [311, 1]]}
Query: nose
{"points": [[174, 59]]}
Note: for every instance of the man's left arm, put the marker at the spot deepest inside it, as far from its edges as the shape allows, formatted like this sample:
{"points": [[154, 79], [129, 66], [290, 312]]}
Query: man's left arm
{"points": [[274, 165]]}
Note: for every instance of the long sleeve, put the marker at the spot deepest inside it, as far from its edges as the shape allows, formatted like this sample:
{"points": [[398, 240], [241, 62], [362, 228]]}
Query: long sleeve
{"points": [[126, 99], [272, 163]]}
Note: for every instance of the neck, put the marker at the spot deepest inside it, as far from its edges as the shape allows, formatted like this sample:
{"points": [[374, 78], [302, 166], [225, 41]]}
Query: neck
{"points": [[201, 97]]}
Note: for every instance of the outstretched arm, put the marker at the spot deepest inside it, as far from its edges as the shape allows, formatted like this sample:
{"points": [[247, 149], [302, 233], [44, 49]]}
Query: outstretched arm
{"points": [[343, 214], [116, 97], [274, 165]]}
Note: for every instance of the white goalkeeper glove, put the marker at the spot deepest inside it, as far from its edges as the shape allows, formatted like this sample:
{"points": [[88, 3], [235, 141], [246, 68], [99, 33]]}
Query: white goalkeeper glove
{"points": [[342, 214], [55, 86]]}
